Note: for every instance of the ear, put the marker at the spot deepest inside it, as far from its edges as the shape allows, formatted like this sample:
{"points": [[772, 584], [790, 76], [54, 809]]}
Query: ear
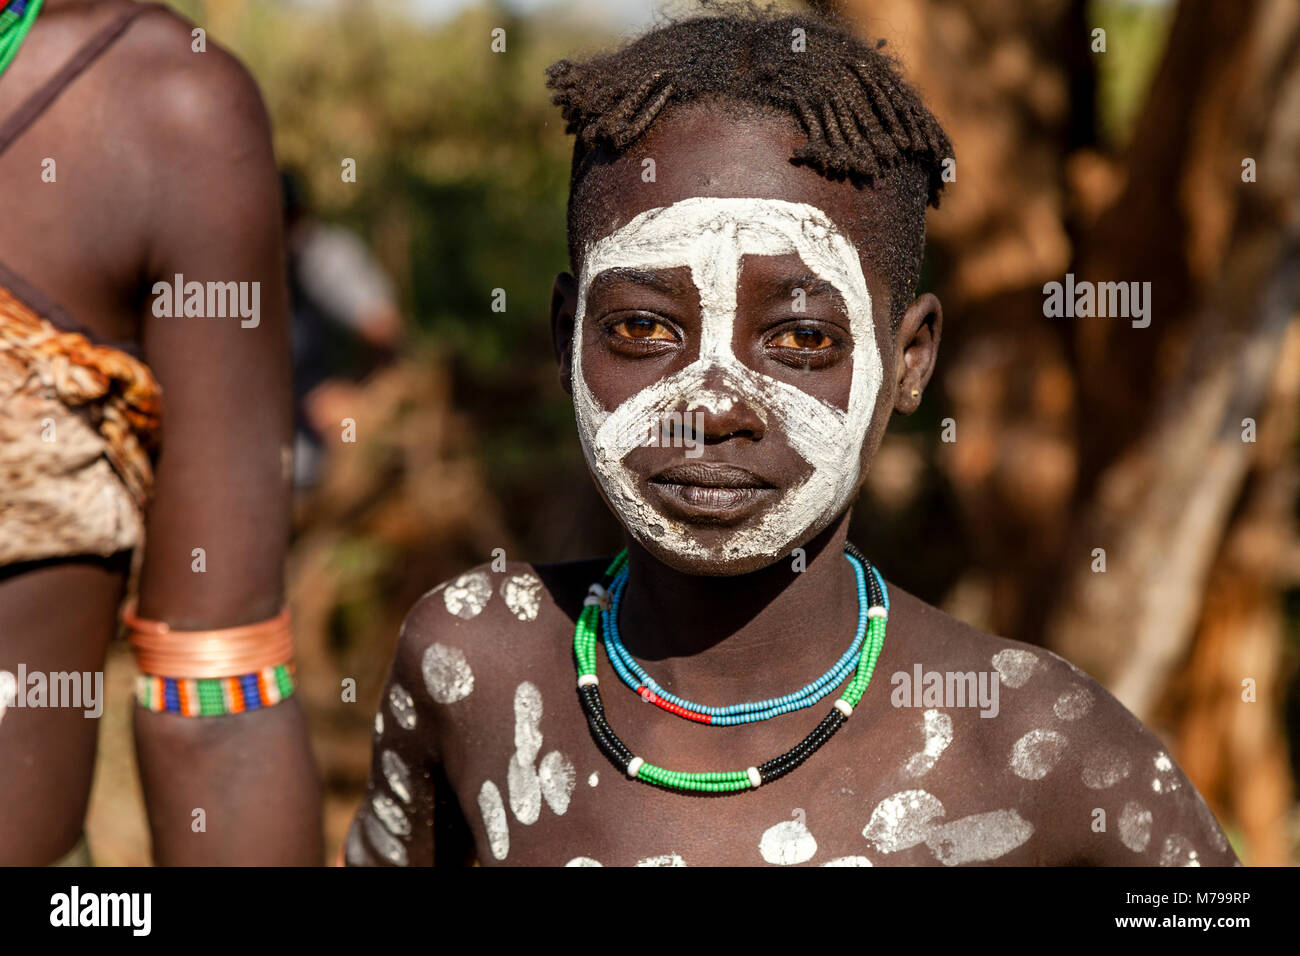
{"points": [[564, 307], [917, 341]]}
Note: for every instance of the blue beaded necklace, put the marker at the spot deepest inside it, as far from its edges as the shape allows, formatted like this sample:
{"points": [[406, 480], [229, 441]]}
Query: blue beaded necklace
{"points": [[634, 675]]}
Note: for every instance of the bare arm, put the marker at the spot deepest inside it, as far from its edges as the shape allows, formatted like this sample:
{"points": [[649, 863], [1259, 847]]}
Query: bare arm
{"points": [[394, 824], [213, 215]]}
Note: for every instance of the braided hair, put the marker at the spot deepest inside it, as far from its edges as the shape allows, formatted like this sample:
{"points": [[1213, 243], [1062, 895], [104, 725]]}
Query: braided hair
{"points": [[862, 122]]}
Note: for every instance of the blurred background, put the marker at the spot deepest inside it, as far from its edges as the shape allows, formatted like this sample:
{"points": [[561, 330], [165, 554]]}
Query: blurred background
{"points": [[1173, 448]]}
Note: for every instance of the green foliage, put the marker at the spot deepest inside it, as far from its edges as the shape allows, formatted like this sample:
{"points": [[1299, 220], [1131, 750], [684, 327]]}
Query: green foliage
{"points": [[1136, 34]]}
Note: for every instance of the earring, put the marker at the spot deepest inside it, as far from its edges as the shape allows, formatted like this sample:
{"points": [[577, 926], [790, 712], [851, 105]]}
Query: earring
{"points": [[915, 393]]}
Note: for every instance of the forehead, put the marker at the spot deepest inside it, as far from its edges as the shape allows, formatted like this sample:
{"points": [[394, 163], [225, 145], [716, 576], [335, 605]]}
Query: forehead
{"points": [[708, 150], [711, 236]]}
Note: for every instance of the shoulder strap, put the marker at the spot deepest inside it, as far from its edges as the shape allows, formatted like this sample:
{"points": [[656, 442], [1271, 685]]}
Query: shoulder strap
{"points": [[39, 101]]}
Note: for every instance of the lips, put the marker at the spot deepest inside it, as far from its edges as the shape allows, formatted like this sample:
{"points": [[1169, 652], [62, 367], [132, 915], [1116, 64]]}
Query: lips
{"points": [[711, 492]]}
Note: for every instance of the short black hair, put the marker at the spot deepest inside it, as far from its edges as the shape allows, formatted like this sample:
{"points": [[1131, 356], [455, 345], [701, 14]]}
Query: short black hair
{"points": [[864, 123]]}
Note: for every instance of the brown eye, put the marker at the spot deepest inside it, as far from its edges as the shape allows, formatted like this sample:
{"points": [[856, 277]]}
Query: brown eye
{"points": [[805, 340], [643, 330]]}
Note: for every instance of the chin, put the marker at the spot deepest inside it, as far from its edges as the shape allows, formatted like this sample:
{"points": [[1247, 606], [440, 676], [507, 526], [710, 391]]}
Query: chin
{"points": [[718, 552]]}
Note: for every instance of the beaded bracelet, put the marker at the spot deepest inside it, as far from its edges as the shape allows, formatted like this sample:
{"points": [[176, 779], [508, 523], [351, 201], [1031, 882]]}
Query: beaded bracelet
{"points": [[210, 673], [215, 696]]}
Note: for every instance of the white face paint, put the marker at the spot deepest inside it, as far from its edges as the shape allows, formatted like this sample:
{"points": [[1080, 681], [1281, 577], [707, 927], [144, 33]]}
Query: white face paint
{"points": [[710, 236]]}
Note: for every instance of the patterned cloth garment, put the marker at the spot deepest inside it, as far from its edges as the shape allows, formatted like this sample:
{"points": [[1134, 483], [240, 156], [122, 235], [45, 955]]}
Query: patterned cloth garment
{"points": [[78, 422]]}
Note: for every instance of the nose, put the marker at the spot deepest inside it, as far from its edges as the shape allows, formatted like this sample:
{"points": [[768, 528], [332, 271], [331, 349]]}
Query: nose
{"points": [[722, 416]]}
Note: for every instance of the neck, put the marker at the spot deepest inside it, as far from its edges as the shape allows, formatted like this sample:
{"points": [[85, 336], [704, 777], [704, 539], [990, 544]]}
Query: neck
{"points": [[742, 636]]}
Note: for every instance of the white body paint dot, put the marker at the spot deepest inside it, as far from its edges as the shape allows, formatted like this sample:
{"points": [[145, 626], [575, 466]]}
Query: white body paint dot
{"points": [[1036, 753], [383, 842], [582, 861], [1073, 704], [557, 778], [522, 780], [787, 843], [494, 819], [354, 850], [447, 676], [468, 594], [593, 780], [902, 821], [379, 723], [402, 705], [1135, 826], [1015, 666], [1166, 779], [848, 861], [1105, 768], [523, 595], [390, 815], [668, 859], [396, 774], [937, 728], [1178, 851], [979, 838]]}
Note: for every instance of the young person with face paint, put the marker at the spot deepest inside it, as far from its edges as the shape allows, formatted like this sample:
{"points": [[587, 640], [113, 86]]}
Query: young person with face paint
{"points": [[757, 289]]}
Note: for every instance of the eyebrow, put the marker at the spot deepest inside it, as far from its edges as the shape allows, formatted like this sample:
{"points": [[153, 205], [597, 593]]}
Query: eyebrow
{"points": [[665, 282], [811, 285]]}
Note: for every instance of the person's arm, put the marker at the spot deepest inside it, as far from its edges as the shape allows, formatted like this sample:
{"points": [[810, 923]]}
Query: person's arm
{"points": [[394, 824], [212, 214]]}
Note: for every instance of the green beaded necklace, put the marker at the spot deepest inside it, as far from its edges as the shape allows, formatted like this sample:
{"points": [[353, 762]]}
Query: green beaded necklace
{"points": [[16, 18], [728, 781]]}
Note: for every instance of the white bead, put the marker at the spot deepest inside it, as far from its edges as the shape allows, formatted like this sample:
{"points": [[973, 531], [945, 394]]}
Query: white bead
{"points": [[634, 766], [877, 611], [844, 707], [587, 680], [754, 777]]}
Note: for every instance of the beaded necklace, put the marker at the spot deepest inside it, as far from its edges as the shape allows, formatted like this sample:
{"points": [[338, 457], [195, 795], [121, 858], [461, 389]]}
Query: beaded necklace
{"points": [[635, 677], [16, 18], [598, 605]]}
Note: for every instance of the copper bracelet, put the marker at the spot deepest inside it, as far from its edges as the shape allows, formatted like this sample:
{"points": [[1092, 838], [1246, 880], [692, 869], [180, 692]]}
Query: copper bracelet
{"points": [[163, 651]]}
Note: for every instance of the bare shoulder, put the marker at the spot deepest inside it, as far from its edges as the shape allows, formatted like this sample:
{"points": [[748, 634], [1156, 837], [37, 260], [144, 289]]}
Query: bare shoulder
{"points": [[489, 621], [178, 93], [1052, 740]]}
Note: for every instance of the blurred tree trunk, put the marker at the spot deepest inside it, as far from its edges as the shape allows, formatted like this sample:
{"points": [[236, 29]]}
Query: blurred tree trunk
{"points": [[1087, 433]]}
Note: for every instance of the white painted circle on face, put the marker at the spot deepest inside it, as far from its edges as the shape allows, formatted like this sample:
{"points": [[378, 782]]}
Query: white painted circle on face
{"points": [[710, 237]]}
